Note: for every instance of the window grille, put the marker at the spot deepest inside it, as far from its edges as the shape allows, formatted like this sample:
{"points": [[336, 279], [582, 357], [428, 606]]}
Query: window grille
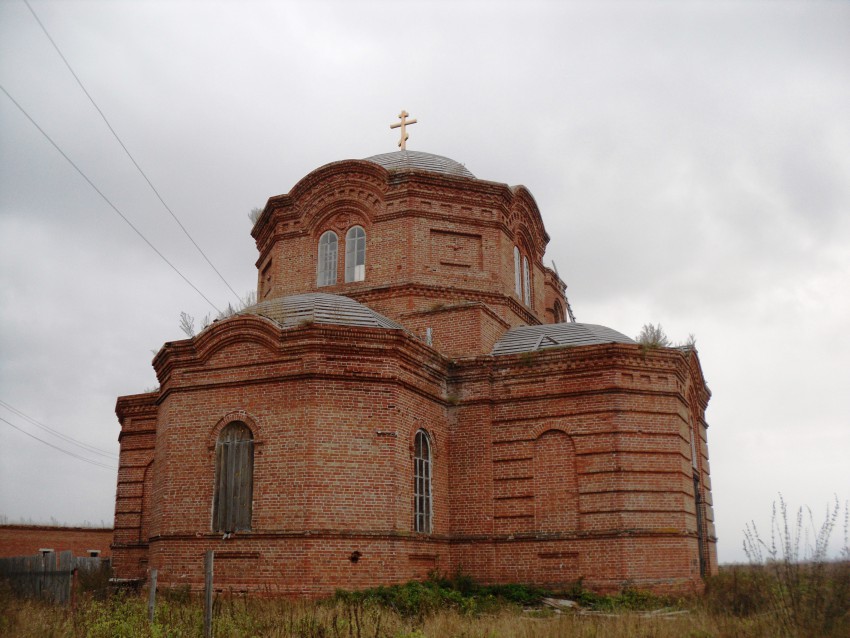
{"points": [[234, 478], [355, 254], [422, 504], [327, 259]]}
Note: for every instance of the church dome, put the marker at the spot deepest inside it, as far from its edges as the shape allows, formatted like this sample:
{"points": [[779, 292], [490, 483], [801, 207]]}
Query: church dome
{"points": [[317, 307], [417, 161], [556, 335]]}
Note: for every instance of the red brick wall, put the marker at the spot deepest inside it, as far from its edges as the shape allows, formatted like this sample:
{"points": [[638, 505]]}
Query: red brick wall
{"points": [[624, 413], [430, 239], [137, 415], [27, 540], [458, 329], [548, 466]]}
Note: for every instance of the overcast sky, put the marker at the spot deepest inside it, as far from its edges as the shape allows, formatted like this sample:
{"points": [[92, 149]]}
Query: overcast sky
{"points": [[691, 162]]}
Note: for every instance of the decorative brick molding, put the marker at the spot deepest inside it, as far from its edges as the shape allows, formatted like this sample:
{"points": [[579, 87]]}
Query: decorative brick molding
{"points": [[547, 466]]}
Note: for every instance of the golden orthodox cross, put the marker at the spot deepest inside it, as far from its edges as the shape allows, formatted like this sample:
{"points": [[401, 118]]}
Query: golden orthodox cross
{"points": [[402, 143]]}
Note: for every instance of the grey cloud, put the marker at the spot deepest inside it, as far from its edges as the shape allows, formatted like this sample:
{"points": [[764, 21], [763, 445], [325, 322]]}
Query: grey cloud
{"points": [[689, 160]]}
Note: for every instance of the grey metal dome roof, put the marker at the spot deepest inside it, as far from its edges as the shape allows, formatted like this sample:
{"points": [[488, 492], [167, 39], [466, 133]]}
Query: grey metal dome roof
{"points": [[317, 307], [415, 160], [556, 335]]}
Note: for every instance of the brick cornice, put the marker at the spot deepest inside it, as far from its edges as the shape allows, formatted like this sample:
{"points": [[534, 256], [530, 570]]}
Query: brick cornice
{"points": [[243, 538], [624, 356], [351, 172], [369, 187], [460, 307], [296, 345], [137, 405], [365, 295]]}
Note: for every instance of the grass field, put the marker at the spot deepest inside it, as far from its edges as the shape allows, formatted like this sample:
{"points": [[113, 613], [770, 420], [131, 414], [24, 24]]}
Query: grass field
{"points": [[742, 601]]}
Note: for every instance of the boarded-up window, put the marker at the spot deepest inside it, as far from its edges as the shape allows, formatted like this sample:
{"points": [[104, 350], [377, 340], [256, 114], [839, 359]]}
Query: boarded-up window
{"points": [[422, 483], [234, 478]]}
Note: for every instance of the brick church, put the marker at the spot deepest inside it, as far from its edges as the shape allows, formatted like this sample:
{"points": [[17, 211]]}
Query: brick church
{"points": [[411, 393]]}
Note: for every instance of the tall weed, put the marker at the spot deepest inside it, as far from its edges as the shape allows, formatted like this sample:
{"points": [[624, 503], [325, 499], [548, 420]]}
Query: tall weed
{"points": [[791, 576]]}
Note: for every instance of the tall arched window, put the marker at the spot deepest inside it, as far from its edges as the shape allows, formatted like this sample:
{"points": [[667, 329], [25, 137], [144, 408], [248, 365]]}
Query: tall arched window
{"points": [[517, 274], [526, 282], [327, 259], [422, 506], [355, 254], [234, 478]]}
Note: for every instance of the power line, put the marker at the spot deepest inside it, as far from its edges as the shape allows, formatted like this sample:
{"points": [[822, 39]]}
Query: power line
{"points": [[106, 199], [89, 448], [56, 447], [132, 159]]}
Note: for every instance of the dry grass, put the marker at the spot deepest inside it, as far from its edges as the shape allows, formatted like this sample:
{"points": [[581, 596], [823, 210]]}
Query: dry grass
{"points": [[736, 605]]}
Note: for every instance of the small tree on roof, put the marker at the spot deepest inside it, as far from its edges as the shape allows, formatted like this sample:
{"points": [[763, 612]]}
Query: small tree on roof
{"points": [[652, 336]]}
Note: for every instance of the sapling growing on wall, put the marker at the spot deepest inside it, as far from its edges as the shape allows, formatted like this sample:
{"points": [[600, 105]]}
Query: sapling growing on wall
{"points": [[187, 324], [652, 336], [187, 321]]}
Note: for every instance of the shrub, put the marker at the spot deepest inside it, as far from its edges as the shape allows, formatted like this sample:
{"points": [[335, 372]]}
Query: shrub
{"points": [[629, 599], [740, 590], [652, 336], [792, 577], [460, 592]]}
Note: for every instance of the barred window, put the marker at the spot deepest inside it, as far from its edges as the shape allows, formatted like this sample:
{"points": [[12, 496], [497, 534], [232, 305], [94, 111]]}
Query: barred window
{"points": [[422, 505], [234, 478], [326, 270], [355, 254]]}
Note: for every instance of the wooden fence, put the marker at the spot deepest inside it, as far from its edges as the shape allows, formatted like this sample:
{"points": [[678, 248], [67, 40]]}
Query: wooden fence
{"points": [[47, 575]]}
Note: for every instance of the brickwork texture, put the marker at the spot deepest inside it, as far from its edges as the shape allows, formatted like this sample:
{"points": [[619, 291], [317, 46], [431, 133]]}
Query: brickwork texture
{"points": [[546, 467], [29, 540]]}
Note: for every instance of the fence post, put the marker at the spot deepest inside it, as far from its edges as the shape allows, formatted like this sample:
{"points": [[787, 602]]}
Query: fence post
{"points": [[72, 587], [152, 596], [208, 593]]}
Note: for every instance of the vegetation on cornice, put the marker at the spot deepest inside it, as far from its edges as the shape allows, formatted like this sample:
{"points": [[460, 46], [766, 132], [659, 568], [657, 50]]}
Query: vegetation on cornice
{"points": [[187, 321], [653, 337]]}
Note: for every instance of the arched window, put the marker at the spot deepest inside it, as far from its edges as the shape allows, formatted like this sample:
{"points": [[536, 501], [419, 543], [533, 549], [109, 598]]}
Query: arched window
{"points": [[517, 274], [526, 282], [234, 478], [327, 259], [422, 505], [355, 254]]}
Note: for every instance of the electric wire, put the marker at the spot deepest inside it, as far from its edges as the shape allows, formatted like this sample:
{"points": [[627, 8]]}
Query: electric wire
{"points": [[107, 200], [56, 447], [88, 448], [126, 150]]}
